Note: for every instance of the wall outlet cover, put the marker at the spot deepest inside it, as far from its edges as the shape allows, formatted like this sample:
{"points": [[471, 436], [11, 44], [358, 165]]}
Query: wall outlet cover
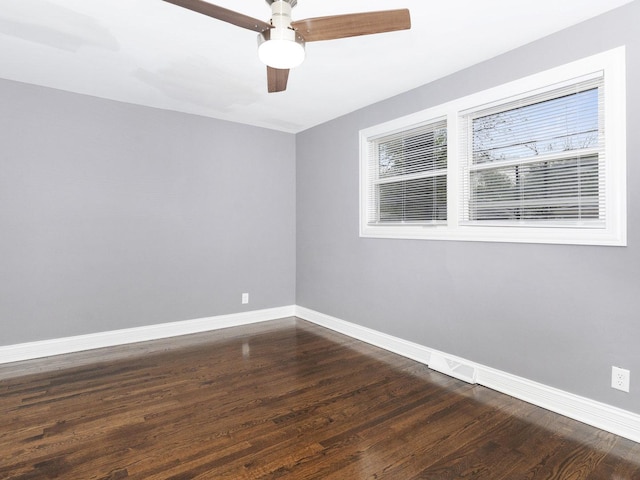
{"points": [[620, 379]]}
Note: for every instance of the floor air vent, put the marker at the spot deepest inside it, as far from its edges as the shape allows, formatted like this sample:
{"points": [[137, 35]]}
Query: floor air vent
{"points": [[453, 368]]}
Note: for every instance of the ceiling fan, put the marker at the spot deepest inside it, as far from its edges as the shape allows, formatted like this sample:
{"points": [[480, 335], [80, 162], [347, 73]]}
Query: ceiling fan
{"points": [[281, 41]]}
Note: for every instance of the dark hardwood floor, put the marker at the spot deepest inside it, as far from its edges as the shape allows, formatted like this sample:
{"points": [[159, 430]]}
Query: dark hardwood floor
{"points": [[283, 399]]}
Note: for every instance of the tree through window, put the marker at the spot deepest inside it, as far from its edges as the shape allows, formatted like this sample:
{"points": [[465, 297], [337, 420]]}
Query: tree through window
{"points": [[409, 176], [538, 159]]}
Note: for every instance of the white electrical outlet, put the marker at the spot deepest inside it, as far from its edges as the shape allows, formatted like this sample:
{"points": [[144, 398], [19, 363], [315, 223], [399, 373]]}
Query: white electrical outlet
{"points": [[245, 298], [620, 379]]}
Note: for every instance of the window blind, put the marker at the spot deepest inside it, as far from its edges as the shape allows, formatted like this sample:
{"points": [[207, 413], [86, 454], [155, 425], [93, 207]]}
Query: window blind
{"points": [[538, 160], [407, 176]]}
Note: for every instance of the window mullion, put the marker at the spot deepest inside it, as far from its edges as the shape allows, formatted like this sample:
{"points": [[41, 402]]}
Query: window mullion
{"points": [[413, 176]]}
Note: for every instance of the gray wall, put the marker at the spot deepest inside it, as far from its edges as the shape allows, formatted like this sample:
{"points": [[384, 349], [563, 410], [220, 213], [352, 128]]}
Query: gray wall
{"points": [[561, 315], [115, 216]]}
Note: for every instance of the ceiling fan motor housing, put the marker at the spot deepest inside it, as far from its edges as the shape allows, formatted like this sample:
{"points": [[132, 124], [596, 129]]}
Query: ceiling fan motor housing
{"points": [[293, 3], [281, 46]]}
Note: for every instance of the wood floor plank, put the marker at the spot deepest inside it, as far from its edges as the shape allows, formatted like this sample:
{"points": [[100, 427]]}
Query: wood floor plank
{"points": [[284, 399]]}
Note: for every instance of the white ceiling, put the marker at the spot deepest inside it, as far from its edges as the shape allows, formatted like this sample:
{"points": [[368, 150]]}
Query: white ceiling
{"points": [[157, 54]]}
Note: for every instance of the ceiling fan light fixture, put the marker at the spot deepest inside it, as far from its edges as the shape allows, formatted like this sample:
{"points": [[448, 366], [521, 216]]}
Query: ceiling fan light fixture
{"points": [[281, 48], [281, 41]]}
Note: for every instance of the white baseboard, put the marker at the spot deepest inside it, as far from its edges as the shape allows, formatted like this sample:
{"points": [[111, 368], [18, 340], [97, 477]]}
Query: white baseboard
{"points": [[591, 412], [597, 414], [594, 413], [58, 346]]}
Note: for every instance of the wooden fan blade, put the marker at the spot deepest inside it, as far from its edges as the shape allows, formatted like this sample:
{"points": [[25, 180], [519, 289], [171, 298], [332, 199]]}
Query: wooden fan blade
{"points": [[277, 79], [223, 14], [352, 25]]}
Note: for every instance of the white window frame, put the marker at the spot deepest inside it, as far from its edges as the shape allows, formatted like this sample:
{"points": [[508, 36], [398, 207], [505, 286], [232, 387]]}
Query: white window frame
{"points": [[612, 66], [375, 181]]}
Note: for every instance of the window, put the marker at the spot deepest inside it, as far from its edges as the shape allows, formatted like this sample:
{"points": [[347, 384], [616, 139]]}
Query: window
{"points": [[541, 159], [536, 161], [408, 176]]}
